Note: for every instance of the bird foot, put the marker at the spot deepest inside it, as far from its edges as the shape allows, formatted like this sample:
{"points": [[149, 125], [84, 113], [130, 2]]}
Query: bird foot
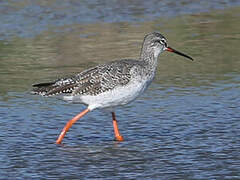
{"points": [[119, 138]]}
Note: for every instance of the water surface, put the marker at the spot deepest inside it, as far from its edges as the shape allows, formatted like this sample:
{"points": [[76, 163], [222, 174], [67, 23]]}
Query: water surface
{"points": [[186, 126]]}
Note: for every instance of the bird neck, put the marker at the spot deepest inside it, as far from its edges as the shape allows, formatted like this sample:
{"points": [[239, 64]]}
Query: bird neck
{"points": [[150, 59]]}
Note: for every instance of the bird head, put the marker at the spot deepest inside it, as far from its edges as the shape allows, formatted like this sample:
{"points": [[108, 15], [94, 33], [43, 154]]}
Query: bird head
{"points": [[155, 43]]}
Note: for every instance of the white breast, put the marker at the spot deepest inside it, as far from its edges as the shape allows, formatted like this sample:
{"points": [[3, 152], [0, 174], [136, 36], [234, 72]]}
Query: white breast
{"points": [[120, 95]]}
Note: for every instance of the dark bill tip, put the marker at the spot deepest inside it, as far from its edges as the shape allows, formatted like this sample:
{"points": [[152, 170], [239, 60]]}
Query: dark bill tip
{"points": [[179, 53]]}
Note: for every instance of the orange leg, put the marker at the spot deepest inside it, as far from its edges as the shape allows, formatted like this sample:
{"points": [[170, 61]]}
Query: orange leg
{"points": [[69, 124], [118, 136]]}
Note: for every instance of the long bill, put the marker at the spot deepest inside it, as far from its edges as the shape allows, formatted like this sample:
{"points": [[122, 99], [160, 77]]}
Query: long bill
{"points": [[179, 53]]}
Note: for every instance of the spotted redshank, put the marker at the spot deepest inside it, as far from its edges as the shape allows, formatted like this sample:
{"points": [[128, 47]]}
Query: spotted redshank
{"points": [[109, 85]]}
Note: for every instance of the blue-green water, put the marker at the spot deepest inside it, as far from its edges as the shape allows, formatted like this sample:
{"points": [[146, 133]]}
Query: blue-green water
{"points": [[185, 126]]}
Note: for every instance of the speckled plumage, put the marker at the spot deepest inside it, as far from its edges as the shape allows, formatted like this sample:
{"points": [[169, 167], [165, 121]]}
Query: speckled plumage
{"points": [[109, 85], [92, 81], [108, 79]]}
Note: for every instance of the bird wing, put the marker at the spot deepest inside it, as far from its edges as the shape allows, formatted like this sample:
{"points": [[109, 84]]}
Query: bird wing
{"points": [[91, 81], [104, 78]]}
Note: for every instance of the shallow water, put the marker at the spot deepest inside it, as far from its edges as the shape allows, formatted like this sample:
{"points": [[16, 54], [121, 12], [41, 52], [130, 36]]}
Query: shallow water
{"points": [[24, 18], [185, 126]]}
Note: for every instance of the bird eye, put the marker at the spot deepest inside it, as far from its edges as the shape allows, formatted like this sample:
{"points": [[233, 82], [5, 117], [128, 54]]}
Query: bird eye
{"points": [[159, 41], [162, 41]]}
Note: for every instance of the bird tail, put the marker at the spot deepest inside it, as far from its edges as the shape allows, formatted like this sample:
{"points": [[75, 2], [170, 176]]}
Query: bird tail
{"points": [[43, 89]]}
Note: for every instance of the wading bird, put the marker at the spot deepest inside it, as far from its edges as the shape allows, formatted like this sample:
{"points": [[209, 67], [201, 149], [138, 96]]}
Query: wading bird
{"points": [[110, 85]]}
